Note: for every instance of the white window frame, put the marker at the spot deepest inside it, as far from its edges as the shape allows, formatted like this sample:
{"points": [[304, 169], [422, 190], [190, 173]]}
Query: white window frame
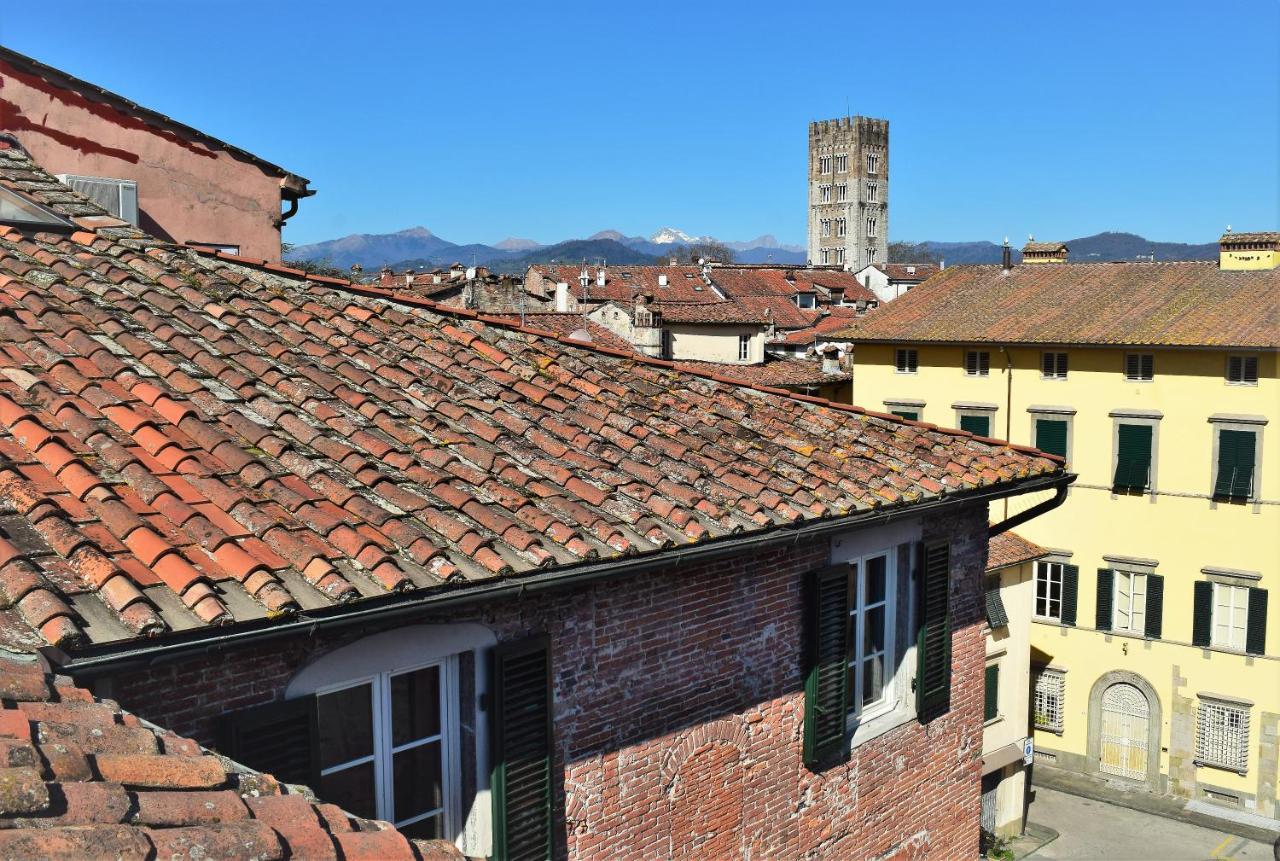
{"points": [[981, 367], [384, 749], [824, 193], [1237, 611], [1218, 743], [842, 163], [826, 226], [1048, 699], [744, 347], [873, 162], [1060, 367], [872, 189], [824, 254], [858, 711], [1242, 359], [842, 225], [842, 192], [1135, 599], [906, 360], [1050, 570], [1139, 357]]}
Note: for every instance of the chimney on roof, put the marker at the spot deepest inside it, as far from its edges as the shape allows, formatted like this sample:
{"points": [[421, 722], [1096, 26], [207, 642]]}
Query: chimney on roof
{"points": [[584, 278], [1006, 257], [674, 260], [1043, 252], [830, 358], [1248, 251], [942, 264], [600, 277]]}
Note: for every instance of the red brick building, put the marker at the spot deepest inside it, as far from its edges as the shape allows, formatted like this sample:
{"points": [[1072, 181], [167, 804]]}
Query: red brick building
{"points": [[536, 597], [171, 180]]}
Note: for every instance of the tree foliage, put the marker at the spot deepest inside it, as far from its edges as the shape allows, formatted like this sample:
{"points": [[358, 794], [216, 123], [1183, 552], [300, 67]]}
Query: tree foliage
{"points": [[713, 250], [911, 252]]}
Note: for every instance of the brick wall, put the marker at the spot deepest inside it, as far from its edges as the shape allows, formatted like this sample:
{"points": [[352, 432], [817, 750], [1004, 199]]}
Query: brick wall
{"points": [[678, 716]]}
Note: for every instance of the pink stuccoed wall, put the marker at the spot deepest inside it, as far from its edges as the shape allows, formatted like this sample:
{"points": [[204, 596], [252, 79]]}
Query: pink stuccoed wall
{"points": [[187, 191]]}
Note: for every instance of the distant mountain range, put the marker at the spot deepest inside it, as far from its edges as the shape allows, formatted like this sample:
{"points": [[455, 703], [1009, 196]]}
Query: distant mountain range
{"points": [[418, 247]]}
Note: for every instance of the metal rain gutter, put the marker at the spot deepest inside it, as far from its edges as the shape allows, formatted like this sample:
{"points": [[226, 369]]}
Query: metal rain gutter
{"points": [[130, 655]]}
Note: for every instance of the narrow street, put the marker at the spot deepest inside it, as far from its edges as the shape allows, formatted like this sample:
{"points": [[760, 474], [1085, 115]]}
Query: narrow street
{"points": [[1104, 832]]}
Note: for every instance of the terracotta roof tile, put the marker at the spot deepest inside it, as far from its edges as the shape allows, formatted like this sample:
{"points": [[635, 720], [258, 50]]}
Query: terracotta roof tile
{"points": [[1010, 548], [373, 442], [1149, 304], [80, 778]]}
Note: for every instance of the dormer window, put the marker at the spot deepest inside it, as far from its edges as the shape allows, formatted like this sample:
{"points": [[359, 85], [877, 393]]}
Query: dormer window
{"points": [[806, 300]]}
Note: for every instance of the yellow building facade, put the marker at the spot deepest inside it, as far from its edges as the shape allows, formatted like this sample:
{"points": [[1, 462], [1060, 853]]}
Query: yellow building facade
{"points": [[1155, 659]]}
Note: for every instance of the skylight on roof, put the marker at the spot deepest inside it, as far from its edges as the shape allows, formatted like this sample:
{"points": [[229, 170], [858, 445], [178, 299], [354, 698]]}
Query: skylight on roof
{"points": [[19, 211]]}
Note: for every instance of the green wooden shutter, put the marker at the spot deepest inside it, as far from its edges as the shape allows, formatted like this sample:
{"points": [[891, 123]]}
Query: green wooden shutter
{"points": [[1051, 436], [1155, 606], [991, 693], [1256, 635], [521, 750], [1070, 593], [933, 645], [978, 425], [826, 694], [280, 739], [1133, 458], [1235, 464], [1106, 591], [1202, 614]]}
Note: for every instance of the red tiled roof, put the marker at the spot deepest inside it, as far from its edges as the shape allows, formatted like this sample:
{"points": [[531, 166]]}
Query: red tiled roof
{"points": [[1010, 548], [908, 271], [622, 283], [189, 441], [837, 320], [1265, 236], [83, 779], [569, 325], [720, 312], [738, 283], [775, 372], [1157, 304], [1043, 247]]}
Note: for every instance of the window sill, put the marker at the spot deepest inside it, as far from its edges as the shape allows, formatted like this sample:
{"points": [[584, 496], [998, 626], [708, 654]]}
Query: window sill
{"points": [[1200, 763], [992, 721], [1049, 729]]}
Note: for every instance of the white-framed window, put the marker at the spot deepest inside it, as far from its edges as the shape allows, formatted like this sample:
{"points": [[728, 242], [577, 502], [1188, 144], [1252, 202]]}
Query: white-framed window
{"points": [[824, 193], [1049, 590], [842, 192], [871, 254], [871, 226], [1129, 610], [842, 163], [1053, 366], [871, 632], [977, 363], [1230, 616], [840, 255], [824, 254], [806, 300], [841, 226], [1049, 692], [744, 347], [1242, 370], [872, 191], [1139, 367], [824, 164], [388, 748], [906, 360], [826, 226], [1222, 735], [873, 162]]}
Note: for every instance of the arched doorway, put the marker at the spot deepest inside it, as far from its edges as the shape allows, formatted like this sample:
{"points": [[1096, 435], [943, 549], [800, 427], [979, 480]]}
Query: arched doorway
{"points": [[1125, 723], [1126, 719]]}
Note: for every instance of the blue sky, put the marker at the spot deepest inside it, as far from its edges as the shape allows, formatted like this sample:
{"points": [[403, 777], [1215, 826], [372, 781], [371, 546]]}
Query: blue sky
{"points": [[549, 121]]}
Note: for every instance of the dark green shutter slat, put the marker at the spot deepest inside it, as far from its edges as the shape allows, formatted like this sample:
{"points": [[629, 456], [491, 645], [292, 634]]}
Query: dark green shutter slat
{"points": [[991, 693], [278, 738], [978, 425], [1070, 592], [1133, 460], [997, 616], [1106, 586], [1202, 614], [826, 694], [521, 779], [1256, 635], [1235, 464], [933, 676], [1051, 436], [1155, 606], [907, 414]]}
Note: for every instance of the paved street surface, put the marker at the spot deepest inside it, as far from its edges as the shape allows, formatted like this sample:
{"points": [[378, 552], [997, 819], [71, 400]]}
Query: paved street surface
{"points": [[1096, 830]]}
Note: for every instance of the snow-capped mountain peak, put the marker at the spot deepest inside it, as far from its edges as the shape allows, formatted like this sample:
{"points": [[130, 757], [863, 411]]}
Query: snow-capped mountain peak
{"points": [[670, 235]]}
